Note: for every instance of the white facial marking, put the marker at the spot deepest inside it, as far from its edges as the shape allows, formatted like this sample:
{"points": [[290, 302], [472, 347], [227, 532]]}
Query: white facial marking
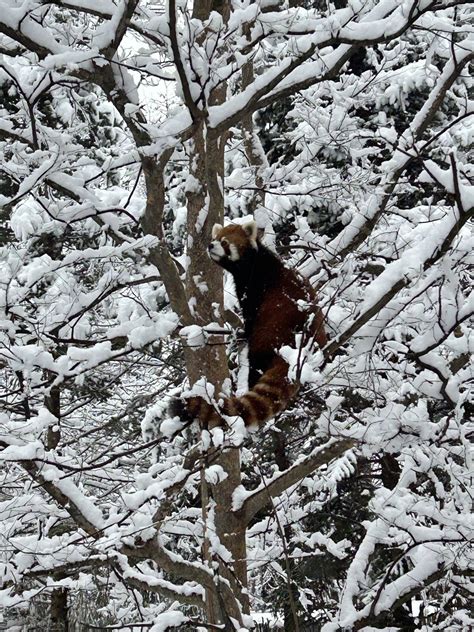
{"points": [[234, 253], [216, 251]]}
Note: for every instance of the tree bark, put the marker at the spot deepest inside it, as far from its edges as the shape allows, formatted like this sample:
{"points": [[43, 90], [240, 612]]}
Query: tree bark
{"points": [[204, 288], [59, 610], [205, 295], [253, 148]]}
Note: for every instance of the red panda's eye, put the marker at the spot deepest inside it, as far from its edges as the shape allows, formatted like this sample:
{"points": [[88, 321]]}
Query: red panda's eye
{"points": [[224, 242]]}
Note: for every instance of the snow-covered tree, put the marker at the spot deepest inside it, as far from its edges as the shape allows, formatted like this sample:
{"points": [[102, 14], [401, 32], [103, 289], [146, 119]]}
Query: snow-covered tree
{"points": [[127, 129]]}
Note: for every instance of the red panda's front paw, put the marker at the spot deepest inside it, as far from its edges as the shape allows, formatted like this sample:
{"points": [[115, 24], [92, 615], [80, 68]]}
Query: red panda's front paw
{"points": [[188, 409], [178, 407]]}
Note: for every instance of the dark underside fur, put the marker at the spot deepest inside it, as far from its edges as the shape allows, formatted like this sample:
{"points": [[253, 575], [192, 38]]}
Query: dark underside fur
{"points": [[276, 304], [268, 294]]}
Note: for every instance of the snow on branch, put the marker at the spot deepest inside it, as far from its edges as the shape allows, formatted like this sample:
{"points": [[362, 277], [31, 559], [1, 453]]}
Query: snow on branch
{"points": [[407, 149], [251, 504], [400, 274]]}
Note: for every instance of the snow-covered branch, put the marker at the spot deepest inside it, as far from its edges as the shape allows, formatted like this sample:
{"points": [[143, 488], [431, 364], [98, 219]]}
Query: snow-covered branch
{"points": [[254, 502], [127, 130], [407, 149]]}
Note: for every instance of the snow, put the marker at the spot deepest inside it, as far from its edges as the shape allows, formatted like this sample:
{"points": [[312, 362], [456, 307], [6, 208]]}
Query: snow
{"points": [[139, 337], [86, 506], [168, 620], [170, 427], [193, 335], [215, 474], [26, 452], [26, 220], [84, 310], [192, 184]]}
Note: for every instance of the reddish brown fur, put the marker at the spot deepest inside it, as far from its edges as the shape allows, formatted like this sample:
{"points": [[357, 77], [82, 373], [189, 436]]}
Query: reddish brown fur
{"points": [[235, 235], [268, 294]]}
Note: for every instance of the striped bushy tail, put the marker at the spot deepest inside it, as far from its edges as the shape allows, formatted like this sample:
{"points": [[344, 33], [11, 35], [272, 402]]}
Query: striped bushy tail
{"points": [[269, 396]]}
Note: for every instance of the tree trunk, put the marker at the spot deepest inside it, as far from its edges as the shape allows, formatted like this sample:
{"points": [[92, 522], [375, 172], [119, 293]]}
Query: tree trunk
{"points": [[59, 610], [205, 296]]}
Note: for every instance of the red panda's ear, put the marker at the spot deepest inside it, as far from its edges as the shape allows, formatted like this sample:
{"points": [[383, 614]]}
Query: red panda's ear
{"points": [[216, 230], [251, 229]]}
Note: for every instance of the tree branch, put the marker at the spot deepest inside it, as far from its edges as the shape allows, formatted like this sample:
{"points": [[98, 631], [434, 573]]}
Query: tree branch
{"points": [[403, 282], [152, 225], [194, 572], [321, 456], [261, 97], [120, 29], [188, 100], [373, 619], [347, 242]]}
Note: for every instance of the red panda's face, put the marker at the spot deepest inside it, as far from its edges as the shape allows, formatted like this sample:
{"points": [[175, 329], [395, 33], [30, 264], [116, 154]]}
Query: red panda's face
{"points": [[230, 243]]}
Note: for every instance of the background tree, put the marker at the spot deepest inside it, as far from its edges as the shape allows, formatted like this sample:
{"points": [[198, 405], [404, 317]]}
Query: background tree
{"points": [[109, 201]]}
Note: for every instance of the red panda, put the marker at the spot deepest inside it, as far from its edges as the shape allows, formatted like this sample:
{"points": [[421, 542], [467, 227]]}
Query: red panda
{"points": [[271, 298]]}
